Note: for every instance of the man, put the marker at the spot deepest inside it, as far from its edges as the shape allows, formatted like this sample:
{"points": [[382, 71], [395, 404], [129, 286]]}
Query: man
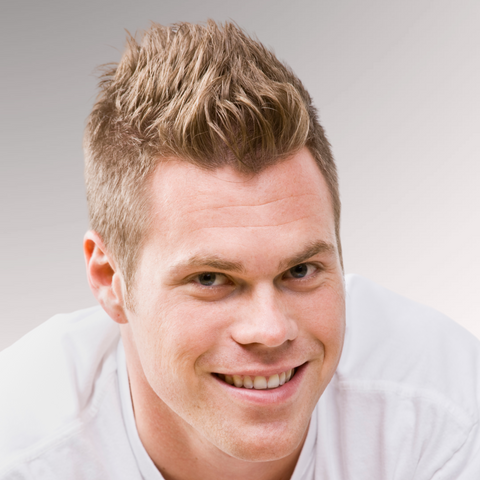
{"points": [[215, 256]]}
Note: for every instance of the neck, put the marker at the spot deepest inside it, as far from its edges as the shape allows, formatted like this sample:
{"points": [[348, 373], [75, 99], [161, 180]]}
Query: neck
{"points": [[178, 450]]}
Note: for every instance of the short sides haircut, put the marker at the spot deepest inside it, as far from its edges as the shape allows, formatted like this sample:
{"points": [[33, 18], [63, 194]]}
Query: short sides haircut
{"points": [[207, 94]]}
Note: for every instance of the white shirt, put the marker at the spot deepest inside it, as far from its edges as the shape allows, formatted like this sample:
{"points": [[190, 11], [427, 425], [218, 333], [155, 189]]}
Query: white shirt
{"points": [[403, 405]]}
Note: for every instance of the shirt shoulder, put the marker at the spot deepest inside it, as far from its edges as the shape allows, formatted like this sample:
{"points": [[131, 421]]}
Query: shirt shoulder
{"points": [[394, 340], [406, 395], [53, 381]]}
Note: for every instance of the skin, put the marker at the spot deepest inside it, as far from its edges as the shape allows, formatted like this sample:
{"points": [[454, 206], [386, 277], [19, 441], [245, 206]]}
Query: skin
{"points": [[257, 317]]}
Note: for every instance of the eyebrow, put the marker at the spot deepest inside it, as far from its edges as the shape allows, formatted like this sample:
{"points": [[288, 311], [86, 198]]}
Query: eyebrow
{"points": [[310, 251], [212, 261], [216, 262]]}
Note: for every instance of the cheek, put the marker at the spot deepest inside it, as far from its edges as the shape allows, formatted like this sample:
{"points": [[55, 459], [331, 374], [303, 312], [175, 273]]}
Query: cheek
{"points": [[321, 314], [171, 335]]}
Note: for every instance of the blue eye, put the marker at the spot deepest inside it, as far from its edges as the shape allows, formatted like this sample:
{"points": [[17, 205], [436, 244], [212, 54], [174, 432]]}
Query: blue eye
{"points": [[299, 271], [211, 279], [207, 279]]}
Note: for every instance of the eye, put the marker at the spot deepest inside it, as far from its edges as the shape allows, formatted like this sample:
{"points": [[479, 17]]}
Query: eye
{"points": [[211, 279], [300, 271]]}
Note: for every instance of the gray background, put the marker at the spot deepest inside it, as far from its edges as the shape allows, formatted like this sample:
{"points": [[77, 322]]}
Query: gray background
{"points": [[398, 88]]}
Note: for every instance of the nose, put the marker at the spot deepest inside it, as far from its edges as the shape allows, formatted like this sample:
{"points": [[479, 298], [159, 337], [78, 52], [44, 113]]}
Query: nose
{"points": [[263, 319]]}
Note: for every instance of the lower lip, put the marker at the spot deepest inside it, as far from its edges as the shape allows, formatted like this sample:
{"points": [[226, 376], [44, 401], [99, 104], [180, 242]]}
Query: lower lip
{"points": [[268, 396]]}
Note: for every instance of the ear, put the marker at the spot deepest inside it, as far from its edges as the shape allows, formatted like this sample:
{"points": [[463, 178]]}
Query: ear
{"points": [[104, 278]]}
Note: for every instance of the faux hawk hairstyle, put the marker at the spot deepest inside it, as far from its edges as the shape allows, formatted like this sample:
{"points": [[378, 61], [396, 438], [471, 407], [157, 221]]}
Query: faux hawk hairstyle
{"points": [[207, 94]]}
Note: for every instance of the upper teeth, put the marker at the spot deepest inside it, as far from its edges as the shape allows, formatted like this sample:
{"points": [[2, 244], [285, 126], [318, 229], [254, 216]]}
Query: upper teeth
{"points": [[259, 382]]}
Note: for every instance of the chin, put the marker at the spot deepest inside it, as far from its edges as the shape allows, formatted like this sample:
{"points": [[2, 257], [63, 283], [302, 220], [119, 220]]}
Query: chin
{"points": [[264, 445]]}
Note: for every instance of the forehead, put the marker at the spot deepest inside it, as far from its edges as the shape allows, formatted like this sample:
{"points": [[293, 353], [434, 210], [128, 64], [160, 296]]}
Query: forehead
{"points": [[179, 184], [191, 206]]}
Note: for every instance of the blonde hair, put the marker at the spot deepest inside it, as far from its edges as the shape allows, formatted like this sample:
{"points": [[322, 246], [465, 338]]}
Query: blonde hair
{"points": [[207, 94]]}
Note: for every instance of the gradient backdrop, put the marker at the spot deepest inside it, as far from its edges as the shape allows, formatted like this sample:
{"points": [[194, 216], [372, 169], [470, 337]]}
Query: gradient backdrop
{"points": [[397, 84]]}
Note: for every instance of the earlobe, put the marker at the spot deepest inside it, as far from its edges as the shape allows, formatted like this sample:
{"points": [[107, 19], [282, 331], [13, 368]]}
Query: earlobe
{"points": [[104, 278]]}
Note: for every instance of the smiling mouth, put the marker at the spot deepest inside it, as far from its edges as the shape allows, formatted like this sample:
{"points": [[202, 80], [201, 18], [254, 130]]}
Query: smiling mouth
{"points": [[258, 382]]}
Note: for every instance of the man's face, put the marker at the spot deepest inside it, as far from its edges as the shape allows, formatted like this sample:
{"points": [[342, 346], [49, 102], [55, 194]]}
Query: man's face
{"points": [[240, 276]]}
